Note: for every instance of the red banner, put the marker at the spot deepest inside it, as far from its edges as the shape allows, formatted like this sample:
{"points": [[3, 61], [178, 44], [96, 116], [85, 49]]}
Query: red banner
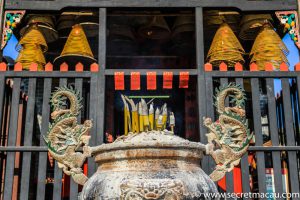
{"points": [[151, 80], [119, 81], [135, 82], [184, 79], [167, 80]]}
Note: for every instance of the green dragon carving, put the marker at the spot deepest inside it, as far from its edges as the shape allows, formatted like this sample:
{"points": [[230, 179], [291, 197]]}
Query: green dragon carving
{"points": [[230, 132], [65, 135]]}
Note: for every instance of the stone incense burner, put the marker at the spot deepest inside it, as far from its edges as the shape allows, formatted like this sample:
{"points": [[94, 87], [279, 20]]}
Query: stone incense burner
{"points": [[152, 165], [149, 165]]}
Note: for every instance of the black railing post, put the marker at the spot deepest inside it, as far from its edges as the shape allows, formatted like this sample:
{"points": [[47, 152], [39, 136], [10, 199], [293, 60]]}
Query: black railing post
{"points": [[274, 136], [201, 82], [101, 75], [12, 136]]}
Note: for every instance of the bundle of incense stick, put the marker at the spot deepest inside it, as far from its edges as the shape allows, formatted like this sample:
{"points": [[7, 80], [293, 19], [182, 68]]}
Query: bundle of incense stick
{"points": [[142, 117]]}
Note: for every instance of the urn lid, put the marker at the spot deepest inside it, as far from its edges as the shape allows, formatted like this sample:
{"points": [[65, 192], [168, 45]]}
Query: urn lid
{"points": [[150, 139]]}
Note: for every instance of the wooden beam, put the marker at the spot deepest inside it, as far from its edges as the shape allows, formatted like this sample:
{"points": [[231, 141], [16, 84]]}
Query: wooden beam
{"points": [[241, 4]]}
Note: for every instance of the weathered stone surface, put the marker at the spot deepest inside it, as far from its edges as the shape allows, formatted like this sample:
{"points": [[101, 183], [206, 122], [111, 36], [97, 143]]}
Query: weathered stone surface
{"points": [[153, 165]]}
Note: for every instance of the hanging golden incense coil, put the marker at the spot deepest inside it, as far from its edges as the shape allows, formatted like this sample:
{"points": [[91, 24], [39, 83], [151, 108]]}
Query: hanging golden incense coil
{"points": [[251, 24], [33, 36], [31, 53], [45, 24], [157, 29], [268, 48], [76, 49], [225, 47]]}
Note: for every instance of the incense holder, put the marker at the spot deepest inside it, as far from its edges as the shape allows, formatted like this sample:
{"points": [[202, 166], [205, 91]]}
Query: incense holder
{"points": [[152, 165]]}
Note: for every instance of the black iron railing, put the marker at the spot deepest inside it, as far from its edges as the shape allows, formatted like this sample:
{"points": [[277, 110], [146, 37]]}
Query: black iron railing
{"points": [[25, 112], [27, 171]]}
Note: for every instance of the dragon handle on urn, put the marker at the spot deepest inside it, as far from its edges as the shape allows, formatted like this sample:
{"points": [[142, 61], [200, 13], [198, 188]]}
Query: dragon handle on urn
{"points": [[65, 135], [230, 132]]}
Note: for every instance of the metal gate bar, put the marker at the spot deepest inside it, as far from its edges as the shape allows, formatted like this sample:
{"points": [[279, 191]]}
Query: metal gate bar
{"points": [[244, 160], [274, 135], [73, 185], [43, 155], [25, 177], [12, 136], [258, 136], [58, 175], [229, 175], [290, 136]]}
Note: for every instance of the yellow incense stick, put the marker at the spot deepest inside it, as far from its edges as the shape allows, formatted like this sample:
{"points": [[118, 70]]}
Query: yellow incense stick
{"points": [[141, 120], [172, 121], [128, 118], [151, 117], [157, 112], [134, 113], [159, 124], [125, 116], [135, 121], [145, 115], [125, 122], [164, 115]]}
